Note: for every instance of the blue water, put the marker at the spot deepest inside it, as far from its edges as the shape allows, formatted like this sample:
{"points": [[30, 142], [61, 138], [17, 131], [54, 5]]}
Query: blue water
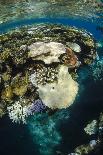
{"points": [[82, 24], [66, 126]]}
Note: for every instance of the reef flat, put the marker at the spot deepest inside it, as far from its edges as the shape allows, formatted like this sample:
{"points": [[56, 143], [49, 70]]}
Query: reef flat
{"points": [[39, 66]]}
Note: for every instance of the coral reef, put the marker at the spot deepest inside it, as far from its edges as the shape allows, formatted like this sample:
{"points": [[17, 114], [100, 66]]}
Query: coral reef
{"points": [[42, 62]]}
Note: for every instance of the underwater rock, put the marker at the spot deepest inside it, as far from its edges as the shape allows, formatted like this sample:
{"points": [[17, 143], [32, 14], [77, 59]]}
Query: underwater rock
{"points": [[60, 94], [47, 52]]}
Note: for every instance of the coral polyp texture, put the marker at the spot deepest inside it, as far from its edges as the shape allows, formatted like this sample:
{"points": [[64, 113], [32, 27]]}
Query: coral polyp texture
{"points": [[39, 66]]}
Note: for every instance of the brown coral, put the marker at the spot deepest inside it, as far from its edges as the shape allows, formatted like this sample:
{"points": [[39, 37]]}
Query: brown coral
{"points": [[69, 58]]}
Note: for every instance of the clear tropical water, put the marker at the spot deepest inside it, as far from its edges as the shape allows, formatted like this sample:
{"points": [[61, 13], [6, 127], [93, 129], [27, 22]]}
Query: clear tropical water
{"points": [[62, 131]]}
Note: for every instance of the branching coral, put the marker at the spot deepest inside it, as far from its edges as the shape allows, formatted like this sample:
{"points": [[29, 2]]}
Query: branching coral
{"points": [[17, 112]]}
